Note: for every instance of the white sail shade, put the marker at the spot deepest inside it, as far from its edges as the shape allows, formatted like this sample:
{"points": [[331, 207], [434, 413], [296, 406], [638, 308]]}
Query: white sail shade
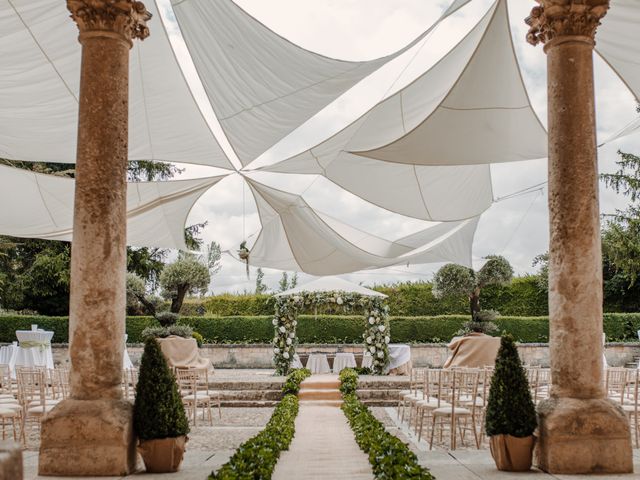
{"points": [[296, 237], [261, 86], [42, 207], [39, 84]]}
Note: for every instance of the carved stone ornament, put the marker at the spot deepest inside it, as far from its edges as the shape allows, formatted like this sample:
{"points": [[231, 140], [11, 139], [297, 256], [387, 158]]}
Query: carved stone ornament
{"points": [[125, 17], [559, 18]]}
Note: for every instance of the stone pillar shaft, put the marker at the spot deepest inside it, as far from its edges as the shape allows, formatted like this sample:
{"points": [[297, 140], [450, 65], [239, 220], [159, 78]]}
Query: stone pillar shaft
{"points": [[575, 259], [91, 433], [98, 254], [580, 430]]}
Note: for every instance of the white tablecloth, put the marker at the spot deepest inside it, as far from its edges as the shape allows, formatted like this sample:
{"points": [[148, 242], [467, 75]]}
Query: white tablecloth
{"points": [[127, 364], [318, 363], [8, 353], [296, 361], [399, 355], [344, 360], [34, 356]]}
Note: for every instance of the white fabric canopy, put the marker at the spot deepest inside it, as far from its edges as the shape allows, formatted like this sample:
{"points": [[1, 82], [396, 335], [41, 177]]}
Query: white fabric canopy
{"points": [[331, 284], [478, 111], [296, 237], [41, 206], [39, 84], [617, 41], [260, 85]]}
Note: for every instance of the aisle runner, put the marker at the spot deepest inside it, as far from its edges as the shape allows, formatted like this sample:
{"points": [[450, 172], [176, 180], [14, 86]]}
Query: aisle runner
{"points": [[323, 446]]}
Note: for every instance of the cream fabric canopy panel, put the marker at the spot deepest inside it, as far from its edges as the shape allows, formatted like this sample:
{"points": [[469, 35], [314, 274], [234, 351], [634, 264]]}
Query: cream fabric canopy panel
{"points": [[260, 85], [296, 237], [39, 83], [484, 116], [42, 207]]}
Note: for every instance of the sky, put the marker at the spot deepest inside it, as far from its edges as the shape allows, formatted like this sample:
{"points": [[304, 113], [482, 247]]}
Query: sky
{"points": [[364, 29]]}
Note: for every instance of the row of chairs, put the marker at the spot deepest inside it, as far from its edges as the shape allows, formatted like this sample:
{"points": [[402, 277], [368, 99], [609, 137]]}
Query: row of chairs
{"points": [[455, 400]]}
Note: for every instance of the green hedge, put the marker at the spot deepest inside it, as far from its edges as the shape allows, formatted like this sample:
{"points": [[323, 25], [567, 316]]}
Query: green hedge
{"points": [[388, 455], [520, 297], [329, 329]]}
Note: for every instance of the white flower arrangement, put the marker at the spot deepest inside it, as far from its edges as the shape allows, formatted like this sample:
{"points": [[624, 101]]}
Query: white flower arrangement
{"points": [[375, 337]]}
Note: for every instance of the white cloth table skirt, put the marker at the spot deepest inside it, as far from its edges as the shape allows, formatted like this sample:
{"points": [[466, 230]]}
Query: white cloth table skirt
{"points": [[318, 363], [344, 360], [34, 356], [399, 356], [127, 364], [8, 353], [296, 361]]}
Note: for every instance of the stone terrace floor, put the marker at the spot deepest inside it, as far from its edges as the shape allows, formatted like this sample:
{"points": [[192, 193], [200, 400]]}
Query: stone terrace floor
{"points": [[211, 447]]}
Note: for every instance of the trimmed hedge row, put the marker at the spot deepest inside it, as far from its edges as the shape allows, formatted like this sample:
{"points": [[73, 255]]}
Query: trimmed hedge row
{"points": [[329, 329], [257, 457], [388, 455], [521, 296]]}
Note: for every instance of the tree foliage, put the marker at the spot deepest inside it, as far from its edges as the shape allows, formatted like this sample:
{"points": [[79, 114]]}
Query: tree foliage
{"points": [[158, 411], [261, 288], [187, 275], [510, 409], [457, 280], [621, 235]]}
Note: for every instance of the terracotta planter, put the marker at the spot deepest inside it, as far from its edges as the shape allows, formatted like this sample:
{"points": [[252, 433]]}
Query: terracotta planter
{"points": [[163, 455], [512, 454]]}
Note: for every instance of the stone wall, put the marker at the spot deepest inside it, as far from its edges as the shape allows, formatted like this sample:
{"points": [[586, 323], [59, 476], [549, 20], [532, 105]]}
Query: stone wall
{"points": [[423, 355]]}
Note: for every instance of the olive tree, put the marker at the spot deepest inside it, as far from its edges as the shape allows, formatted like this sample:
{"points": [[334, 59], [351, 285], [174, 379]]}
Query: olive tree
{"points": [[454, 279], [187, 275]]}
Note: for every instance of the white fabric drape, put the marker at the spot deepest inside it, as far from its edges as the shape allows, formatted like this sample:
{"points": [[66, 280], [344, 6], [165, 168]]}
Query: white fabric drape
{"points": [[39, 84], [260, 85], [296, 237], [41, 206], [480, 115]]}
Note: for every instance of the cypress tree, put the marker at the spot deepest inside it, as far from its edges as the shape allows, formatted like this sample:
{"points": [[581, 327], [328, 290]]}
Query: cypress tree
{"points": [[510, 409], [158, 411]]}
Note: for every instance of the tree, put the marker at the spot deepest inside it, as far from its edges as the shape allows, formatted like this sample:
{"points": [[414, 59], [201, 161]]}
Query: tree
{"points": [[260, 286], [510, 409], [621, 235], [187, 275], [294, 280], [147, 263], [454, 279], [542, 277], [148, 171], [283, 284], [137, 295]]}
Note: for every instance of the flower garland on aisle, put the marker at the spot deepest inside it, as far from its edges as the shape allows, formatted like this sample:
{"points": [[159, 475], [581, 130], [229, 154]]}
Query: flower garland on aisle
{"points": [[376, 337]]}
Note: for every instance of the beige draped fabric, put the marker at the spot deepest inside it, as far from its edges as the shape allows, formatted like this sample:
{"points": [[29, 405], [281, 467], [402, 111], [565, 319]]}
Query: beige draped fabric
{"points": [[183, 353], [473, 351]]}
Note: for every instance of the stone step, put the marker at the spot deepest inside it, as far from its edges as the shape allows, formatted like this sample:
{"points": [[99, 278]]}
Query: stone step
{"points": [[320, 382], [248, 403], [322, 403], [319, 394]]}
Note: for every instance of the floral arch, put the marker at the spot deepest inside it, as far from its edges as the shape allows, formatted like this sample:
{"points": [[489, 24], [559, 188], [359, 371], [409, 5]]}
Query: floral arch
{"points": [[376, 334]]}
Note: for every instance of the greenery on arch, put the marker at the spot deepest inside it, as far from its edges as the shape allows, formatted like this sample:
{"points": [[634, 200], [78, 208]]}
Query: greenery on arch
{"points": [[376, 336]]}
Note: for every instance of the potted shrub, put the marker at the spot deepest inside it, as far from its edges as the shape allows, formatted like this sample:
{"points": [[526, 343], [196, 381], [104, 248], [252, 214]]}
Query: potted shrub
{"points": [[511, 414], [159, 418]]}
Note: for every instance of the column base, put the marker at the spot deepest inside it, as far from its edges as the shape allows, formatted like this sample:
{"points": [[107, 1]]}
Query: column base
{"points": [[88, 438], [583, 436]]}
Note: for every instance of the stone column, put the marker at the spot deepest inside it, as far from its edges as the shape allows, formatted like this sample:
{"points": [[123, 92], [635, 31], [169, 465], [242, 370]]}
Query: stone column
{"points": [[91, 432], [580, 430]]}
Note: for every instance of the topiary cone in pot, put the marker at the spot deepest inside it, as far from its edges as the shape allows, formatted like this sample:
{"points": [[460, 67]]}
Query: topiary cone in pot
{"points": [[159, 418], [511, 415]]}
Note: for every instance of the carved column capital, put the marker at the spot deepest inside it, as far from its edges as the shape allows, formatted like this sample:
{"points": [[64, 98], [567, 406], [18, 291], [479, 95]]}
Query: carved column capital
{"points": [[125, 18], [565, 18]]}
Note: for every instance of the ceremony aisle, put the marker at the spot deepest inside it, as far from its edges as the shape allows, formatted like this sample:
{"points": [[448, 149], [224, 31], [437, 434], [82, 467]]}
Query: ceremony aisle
{"points": [[323, 446]]}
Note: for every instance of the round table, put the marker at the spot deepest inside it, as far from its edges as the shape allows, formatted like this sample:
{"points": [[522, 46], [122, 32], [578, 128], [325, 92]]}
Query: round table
{"points": [[343, 360], [34, 349]]}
